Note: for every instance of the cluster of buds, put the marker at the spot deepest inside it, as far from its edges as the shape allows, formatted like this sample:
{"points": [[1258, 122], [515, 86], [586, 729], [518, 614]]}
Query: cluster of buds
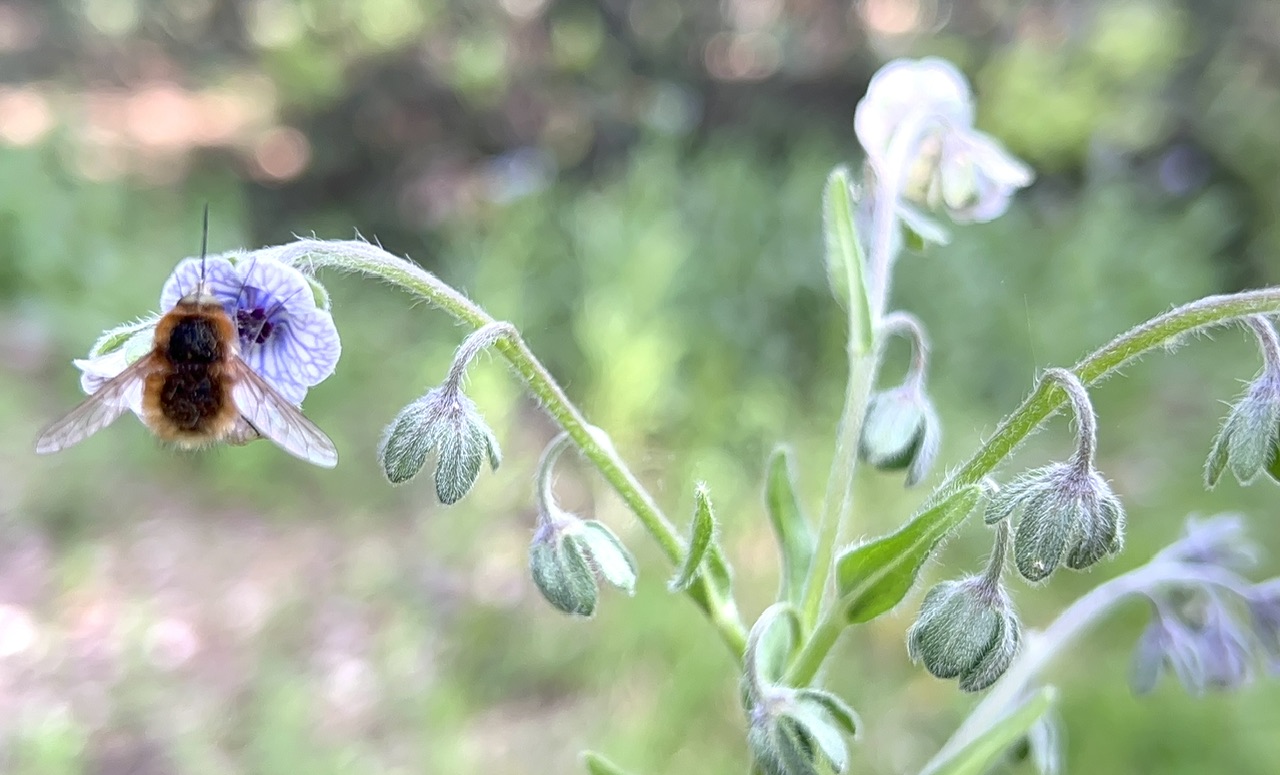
{"points": [[1066, 512]]}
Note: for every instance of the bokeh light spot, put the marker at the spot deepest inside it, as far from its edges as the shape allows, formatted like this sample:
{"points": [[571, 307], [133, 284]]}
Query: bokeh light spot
{"points": [[281, 154]]}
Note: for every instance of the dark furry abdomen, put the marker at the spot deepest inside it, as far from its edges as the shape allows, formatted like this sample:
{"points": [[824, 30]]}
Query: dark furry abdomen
{"points": [[191, 395], [188, 399]]}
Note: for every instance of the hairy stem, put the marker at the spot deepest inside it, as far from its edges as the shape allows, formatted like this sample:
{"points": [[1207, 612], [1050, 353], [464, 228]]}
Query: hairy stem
{"points": [[1086, 421], [838, 502], [864, 350], [1048, 397], [816, 648], [356, 256]]}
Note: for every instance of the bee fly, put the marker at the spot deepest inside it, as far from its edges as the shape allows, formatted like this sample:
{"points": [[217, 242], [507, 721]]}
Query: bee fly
{"points": [[195, 390]]}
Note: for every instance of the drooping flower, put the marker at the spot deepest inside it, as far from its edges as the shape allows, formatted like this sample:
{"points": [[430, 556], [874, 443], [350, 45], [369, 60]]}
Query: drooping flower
{"points": [[284, 335], [916, 125], [1207, 648]]}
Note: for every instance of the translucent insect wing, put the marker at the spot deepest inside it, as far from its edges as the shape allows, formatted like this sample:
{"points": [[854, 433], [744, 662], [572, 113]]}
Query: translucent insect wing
{"points": [[97, 411], [272, 416]]}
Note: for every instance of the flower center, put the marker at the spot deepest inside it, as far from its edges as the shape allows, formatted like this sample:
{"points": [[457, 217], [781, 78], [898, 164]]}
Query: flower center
{"points": [[254, 326]]}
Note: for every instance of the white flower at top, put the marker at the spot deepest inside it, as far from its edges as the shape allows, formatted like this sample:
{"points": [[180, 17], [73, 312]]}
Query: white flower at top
{"points": [[284, 336], [916, 125]]}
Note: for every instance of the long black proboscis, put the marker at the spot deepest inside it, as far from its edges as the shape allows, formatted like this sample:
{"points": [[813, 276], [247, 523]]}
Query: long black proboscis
{"points": [[204, 243]]}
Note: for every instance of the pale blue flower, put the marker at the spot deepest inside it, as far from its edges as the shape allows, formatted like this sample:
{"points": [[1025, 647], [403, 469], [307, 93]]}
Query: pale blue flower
{"points": [[284, 336], [916, 125]]}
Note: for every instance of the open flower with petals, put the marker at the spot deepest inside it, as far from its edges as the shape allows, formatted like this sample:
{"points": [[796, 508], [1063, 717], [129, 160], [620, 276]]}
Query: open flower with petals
{"points": [[284, 336], [916, 125]]}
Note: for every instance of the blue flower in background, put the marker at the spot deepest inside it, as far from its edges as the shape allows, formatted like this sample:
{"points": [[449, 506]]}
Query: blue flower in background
{"points": [[284, 335]]}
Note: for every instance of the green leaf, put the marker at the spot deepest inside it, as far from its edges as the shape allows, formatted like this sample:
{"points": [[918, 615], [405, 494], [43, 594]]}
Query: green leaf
{"points": [[598, 765], [983, 751], [874, 577], [845, 260], [790, 526], [701, 537], [319, 292]]}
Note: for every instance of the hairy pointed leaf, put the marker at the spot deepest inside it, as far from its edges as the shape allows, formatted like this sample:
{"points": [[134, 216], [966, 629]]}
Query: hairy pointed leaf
{"points": [[701, 538], [790, 526], [844, 254], [874, 577]]}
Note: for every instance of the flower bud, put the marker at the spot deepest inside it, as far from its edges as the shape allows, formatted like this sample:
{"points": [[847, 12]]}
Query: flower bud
{"points": [[800, 732], [1068, 514], [901, 430], [569, 557], [444, 421], [1247, 441], [967, 629]]}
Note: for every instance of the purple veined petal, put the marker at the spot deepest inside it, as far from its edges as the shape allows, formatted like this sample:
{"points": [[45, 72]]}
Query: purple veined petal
{"points": [[272, 364], [218, 272], [288, 290], [310, 345]]}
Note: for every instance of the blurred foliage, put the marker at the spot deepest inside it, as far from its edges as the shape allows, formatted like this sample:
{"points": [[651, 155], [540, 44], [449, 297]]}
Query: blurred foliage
{"points": [[635, 184]]}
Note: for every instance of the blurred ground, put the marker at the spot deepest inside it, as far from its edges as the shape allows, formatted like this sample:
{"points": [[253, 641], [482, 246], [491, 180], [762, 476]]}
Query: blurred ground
{"points": [[634, 184]]}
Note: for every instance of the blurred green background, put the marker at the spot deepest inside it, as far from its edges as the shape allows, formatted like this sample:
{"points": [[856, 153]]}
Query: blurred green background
{"points": [[635, 184]]}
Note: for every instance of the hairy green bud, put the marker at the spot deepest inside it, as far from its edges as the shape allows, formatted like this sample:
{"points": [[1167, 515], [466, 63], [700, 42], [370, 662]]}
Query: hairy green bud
{"points": [[569, 557], [445, 422], [967, 629], [901, 430]]}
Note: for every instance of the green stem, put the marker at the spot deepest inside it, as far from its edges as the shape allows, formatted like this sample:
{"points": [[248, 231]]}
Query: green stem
{"points": [[814, 651], [362, 257], [867, 297], [838, 501], [1048, 397]]}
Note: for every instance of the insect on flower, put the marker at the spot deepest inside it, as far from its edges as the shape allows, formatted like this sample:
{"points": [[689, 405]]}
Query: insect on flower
{"points": [[194, 388]]}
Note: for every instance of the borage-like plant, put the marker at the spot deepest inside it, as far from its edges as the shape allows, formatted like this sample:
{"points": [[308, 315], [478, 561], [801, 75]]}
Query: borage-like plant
{"points": [[1210, 626]]}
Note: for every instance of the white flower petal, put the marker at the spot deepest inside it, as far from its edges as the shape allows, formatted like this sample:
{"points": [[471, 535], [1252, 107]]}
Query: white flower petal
{"points": [[927, 105], [222, 278], [96, 372], [302, 351], [993, 177], [930, 86]]}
